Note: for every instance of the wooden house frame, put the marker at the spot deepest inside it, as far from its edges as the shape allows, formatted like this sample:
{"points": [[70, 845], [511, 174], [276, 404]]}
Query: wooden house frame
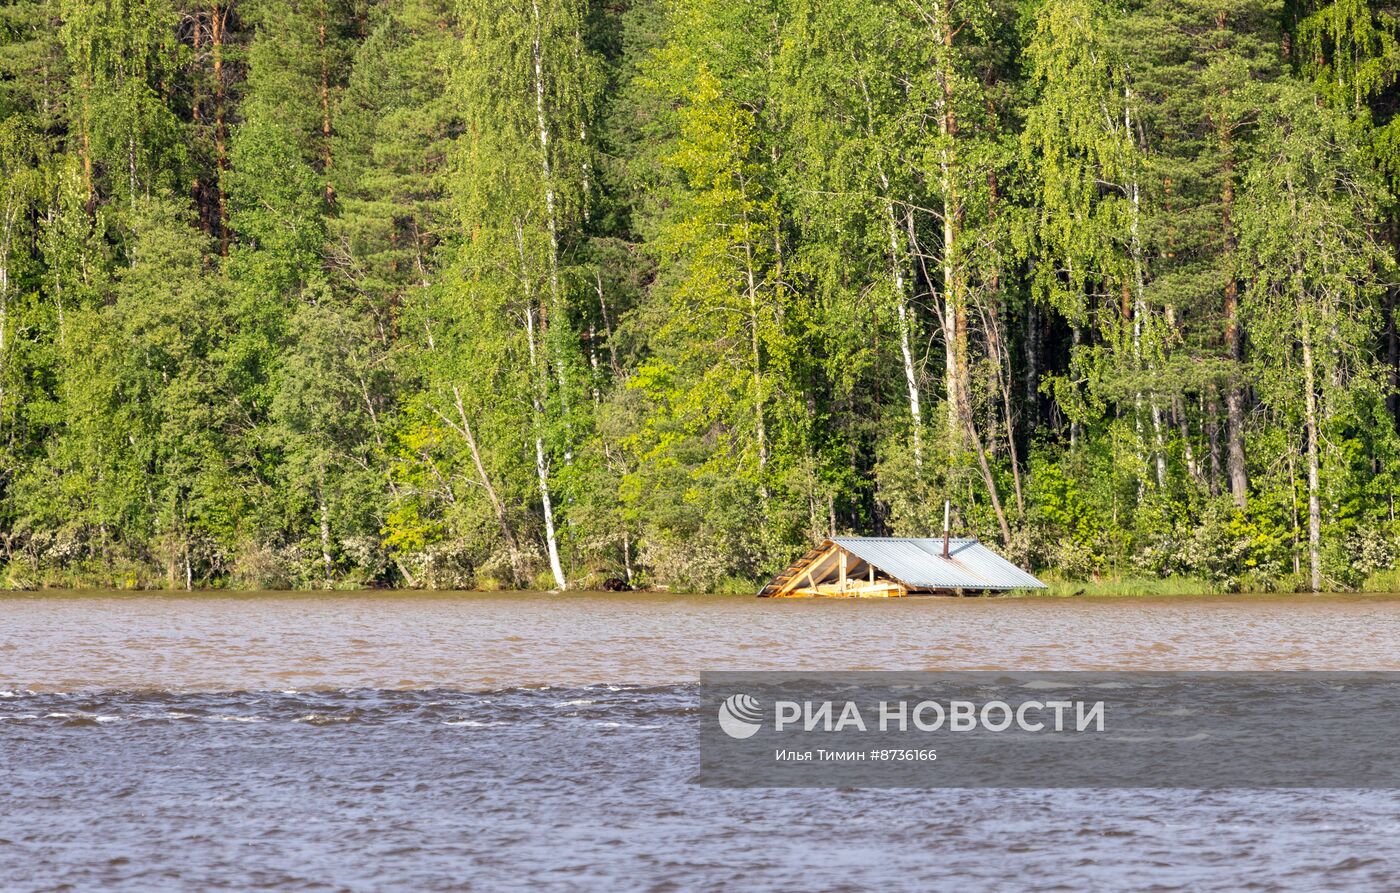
{"points": [[878, 567]]}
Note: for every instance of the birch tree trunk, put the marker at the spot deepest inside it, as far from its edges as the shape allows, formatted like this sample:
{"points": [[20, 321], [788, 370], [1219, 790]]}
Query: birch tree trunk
{"points": [[897, 280], [541, 465], [1234, 406], [556, 308], [954, 301], [1032, 362], [8, 224], [464, 428], [990, 483], [325, 525], [755, 344], [538, 378], [551, 539], [955, 337], [1310, 418], [911, 378], [1002, 362], [1140, 303], [607, 325]]}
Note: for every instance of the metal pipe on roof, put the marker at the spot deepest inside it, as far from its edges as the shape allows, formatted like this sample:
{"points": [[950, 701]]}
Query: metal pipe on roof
{"points": [[947, 507]]}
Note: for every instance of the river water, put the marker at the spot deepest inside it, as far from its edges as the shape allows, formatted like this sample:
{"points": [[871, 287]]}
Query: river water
{"points": [[387, 741]]}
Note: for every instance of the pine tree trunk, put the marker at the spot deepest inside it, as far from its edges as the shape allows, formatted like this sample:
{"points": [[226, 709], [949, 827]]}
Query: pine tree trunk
{"points": [[197, 187], [956, 374], [325, 108], [1234, 399], [217, 22], [953, 333]]}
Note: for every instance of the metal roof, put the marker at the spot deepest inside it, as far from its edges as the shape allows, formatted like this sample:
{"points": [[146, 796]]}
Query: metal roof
{"points": [[919, 563]]}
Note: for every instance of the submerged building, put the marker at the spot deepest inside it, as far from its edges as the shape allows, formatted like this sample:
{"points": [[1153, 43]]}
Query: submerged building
{"points": [[885, 567]]}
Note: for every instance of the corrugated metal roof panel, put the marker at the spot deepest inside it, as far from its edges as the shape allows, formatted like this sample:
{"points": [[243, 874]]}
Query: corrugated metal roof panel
{"points": [[919, 563]]}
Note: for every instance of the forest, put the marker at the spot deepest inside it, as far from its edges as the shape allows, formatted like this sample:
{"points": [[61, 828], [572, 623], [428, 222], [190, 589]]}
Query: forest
{"points": [[537, 293]]}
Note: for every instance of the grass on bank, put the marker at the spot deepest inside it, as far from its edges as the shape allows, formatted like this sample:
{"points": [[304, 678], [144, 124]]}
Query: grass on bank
{"points": [[1129, 586], [1117, 586]]}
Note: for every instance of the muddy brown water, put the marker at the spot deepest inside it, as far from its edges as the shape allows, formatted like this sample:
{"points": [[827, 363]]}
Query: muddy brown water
{"points": [[71, 641], [403, 741]]}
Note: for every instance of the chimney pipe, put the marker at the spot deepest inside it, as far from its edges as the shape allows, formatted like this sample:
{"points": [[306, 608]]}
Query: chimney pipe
{"points": [[947, 504]]}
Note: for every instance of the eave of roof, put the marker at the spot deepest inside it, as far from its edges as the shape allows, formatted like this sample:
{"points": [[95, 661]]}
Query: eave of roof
{"points": [[918, 562]]}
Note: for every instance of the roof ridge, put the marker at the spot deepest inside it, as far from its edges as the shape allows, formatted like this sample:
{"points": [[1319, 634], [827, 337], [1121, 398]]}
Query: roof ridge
{"points": [[892, 539]]}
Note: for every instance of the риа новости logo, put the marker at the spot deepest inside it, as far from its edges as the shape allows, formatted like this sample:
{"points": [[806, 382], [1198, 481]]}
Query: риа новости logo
{"points": [[740, 716]]}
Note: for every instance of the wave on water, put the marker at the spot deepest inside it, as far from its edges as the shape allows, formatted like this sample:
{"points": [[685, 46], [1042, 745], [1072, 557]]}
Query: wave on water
{"points": [[552, 788], [623, 704]]}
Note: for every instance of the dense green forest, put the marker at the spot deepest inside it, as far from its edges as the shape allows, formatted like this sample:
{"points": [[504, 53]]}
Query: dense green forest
{"points": [[457, 293]]}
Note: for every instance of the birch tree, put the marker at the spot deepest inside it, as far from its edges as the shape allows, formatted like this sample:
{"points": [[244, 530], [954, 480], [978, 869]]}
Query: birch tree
{"points": [[1306, 227], [526, 83]]}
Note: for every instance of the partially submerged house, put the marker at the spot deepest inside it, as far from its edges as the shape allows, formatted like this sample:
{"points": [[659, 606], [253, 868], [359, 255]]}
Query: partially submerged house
{"points": [[883, 567]]}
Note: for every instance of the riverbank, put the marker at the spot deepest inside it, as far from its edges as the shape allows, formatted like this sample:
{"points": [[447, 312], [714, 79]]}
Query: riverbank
{"points": [[1387, 583]]}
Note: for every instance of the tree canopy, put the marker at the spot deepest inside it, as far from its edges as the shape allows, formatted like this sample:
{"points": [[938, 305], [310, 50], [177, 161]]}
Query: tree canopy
{"points": [[456, 293]]}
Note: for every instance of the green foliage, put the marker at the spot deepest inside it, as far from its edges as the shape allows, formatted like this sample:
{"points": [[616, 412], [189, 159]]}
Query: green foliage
{"points": [[453, 293]]}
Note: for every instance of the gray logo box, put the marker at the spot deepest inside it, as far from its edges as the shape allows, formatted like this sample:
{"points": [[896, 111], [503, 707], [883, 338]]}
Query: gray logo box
{"points": [[1050, 730]]}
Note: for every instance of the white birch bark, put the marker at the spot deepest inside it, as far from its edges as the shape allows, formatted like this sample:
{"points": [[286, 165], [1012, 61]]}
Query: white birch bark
{"points": [[1314, 501], [911, 379], [325, 524], [755, 346], [538, 378], [6, 230], [550, 198], [1140, 306]]}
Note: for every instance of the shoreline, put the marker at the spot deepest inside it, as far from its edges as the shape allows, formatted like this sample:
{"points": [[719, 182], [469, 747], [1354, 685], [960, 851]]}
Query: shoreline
{"points": [[1116, 590]]}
